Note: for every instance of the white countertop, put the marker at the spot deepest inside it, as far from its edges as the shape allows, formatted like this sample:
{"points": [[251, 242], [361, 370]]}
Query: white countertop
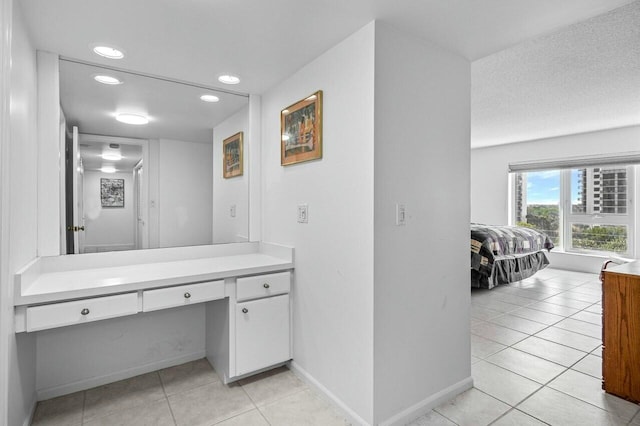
{"points": [[51, 286]]}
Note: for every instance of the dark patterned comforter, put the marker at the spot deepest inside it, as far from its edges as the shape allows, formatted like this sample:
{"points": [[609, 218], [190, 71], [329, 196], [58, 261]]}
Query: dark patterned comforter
{"points": [[503, 254]]}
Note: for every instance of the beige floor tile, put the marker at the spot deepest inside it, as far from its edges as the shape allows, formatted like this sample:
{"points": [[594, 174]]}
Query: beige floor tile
{"points": [[482, 348], [187, 376], [565, 301], [502, 384], [513, 299], [301, 408], [597, 351], [594, 309], [496, 305], [474, 359], [250, 418], [583, 297], [431, 419], [517, 418], [136, 391], [556, 408], [553, 309], [590, 317], [497, 333], [482, 313], [550, 351], [538, 316], [519, 324], [154, 414], [589, 389], [473, 408], [272, 385], [569, 338], [581, 327], [591, 365], [62, 411], [526, 365], [209, 404]]}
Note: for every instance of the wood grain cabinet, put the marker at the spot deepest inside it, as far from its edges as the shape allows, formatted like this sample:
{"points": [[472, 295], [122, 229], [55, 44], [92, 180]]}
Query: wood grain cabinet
{"points": [[621, 331]]}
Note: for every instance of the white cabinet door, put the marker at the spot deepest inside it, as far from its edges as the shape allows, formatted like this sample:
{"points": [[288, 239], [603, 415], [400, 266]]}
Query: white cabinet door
{"points": [[262, 333]]}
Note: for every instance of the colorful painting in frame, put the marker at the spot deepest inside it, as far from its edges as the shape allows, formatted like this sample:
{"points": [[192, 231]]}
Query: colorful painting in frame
{"points": [[232, 160], [301, 130], [112, 192]]}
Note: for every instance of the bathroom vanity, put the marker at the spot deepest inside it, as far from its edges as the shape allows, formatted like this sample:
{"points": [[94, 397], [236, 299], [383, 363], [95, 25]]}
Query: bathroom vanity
{"points": [[245, 288]]}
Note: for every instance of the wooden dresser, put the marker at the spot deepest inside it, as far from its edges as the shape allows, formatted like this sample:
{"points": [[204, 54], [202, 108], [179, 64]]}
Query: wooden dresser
{"points": [[621, 331]]}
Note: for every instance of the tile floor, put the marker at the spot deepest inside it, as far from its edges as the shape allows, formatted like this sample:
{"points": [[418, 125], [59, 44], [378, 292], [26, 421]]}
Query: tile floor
{"points": [[535, 355], [192, 394]]}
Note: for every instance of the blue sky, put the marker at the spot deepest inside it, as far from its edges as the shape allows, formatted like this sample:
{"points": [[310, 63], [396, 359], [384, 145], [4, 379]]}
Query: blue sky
{"points": [[544, 187]]}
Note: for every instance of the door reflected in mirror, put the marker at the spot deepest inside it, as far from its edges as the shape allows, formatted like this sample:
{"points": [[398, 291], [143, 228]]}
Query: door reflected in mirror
{"points": [[160, 184]]}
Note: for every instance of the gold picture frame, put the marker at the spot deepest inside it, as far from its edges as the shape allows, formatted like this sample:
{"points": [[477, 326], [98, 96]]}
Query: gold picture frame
{"points": [[301, 130], [232, 159]]}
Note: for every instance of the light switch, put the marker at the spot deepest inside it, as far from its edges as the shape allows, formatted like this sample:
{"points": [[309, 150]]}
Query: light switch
{"points": [[401, 215], [303, 213]]}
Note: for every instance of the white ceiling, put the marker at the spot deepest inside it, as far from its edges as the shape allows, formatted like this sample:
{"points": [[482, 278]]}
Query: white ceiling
{"points": [[582, 78], [265, 41]]}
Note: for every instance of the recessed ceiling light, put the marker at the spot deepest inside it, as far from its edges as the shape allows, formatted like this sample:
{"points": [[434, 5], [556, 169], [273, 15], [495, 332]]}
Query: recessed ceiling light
{"points": [[132, 119], [209, 98], [108, 169], [111, 156], [229, 79], [108, 52], [107, 79]]}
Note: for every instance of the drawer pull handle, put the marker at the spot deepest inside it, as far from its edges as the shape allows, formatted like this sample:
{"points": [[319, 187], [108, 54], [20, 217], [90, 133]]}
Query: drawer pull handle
{"points": [[187, 295], [85, 311], [265, 285], [245, 310]]}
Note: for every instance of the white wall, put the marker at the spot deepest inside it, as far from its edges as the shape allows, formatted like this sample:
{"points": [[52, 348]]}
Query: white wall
{"points": [[80, 357], [333, 289], [232, 191], [489, 176], [422, 133], [22, 233], [108, 227], [184, 193]]}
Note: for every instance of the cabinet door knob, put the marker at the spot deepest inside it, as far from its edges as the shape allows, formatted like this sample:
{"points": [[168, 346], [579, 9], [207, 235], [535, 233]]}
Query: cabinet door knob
{"points": [[265, 285], [85, 311], [245, 310], [187, 295]]}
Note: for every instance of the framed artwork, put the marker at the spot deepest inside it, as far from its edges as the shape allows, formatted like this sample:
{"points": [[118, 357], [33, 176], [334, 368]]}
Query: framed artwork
{"points": [[301, 130], [232, 160], [112, 192]]}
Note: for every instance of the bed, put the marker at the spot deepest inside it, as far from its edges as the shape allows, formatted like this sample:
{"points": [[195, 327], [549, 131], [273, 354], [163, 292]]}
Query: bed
{"points": [[505, 254]]}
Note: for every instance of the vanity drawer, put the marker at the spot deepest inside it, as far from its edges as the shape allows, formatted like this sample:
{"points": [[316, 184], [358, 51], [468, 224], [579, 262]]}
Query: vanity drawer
{"points": [[81, 311], [263, 286], [182, 295]]}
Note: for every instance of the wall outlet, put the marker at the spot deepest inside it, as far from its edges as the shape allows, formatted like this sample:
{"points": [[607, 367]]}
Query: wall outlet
{"points": [[401, 215], [232, 210], [303, 213]]}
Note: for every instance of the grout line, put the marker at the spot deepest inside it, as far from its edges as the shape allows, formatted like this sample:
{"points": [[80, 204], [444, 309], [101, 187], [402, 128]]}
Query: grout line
{"points": [[166, 397]]}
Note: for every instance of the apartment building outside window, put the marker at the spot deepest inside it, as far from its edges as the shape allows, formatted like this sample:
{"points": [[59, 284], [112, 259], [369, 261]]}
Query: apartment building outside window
{"points": [[582, 209]]}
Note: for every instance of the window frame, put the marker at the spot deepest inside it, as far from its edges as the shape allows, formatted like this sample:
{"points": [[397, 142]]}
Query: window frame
{"points": [[566, 217]]}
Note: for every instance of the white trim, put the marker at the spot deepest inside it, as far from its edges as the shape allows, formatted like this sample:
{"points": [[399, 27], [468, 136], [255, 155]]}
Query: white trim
{"points": [[576, 162], [255, 168], [92, 382], [351, 416], [6, 282], [428, 404], [32, 412]]}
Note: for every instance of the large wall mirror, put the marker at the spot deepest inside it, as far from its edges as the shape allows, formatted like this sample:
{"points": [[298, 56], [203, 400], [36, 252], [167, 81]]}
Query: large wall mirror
{"points": [[160, 184]]}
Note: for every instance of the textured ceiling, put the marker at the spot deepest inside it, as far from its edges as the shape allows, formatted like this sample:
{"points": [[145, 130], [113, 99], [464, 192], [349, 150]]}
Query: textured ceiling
{"points": [[583, 78]]}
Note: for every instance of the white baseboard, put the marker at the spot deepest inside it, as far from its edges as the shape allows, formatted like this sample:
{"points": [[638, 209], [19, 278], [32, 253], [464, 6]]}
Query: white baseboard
{"points": [[32, 412], [350, 415], [428, 404], [92, 382]]}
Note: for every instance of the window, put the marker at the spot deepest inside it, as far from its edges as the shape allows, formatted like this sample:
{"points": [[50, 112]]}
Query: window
{"points": [[583, 209]]}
